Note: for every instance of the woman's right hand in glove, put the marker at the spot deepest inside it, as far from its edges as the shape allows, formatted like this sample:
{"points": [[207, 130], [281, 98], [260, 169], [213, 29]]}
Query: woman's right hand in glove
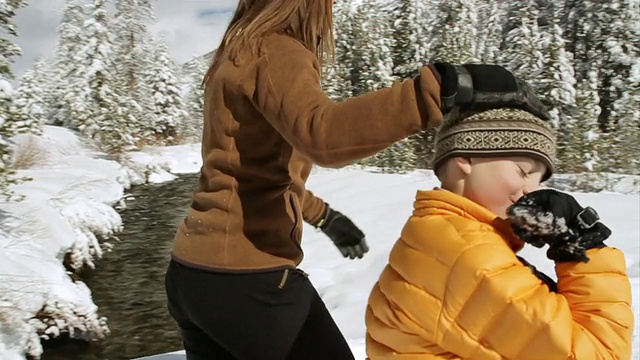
{"points": [[471, 88]]}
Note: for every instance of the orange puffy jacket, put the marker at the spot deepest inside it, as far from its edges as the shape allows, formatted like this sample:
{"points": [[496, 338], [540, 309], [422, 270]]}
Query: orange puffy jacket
{"points": [[454, 289]]}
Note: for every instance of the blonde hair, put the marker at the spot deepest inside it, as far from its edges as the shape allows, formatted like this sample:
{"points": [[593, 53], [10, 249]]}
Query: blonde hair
{"points": [[309, 21]]}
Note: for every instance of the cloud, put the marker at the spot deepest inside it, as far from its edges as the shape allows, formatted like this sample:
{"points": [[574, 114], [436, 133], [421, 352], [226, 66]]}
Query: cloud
{"points": [[190, 27]]}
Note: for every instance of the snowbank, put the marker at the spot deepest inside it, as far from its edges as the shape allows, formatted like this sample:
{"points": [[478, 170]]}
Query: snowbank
{"points": [[67, 217], [162, 162]]}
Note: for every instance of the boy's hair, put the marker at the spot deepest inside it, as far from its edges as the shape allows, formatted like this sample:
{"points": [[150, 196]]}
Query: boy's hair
{"points": [[308, 21], [496, 133]]}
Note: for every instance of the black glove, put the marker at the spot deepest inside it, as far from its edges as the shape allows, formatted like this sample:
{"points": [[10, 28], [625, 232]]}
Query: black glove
{"points": [[472, 88], [344, 234], [555, 218]]}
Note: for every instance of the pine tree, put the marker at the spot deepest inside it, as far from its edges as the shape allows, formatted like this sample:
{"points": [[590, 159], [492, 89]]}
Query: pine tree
{"points": [[372, 48], [196, 69], [8, 50], [105, 116], [65, 75], [491, 15], [619, 46], [603, 35], [399, 157], [133, 54], [584, 145], [29, 105], [168, 111], [45, 78], [131, 19], [454, 36], [573, 18], [520, 50], [336, 74], [412, 32], [556, 82], [626, 112], [95, 75], [627, 106], [144, 107]]}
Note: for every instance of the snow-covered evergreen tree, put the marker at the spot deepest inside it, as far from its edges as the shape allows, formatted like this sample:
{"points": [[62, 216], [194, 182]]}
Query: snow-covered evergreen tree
{"points": [[143, 101], [65, 75], [168, 111], [8, 50], [412, 32], [491, 15], [133, 53], [336, 75], [556, 82], [583, 150], [105, 115], [372, 50], [603, 35], [626, 108], [196, 69], [335, 81], [131, 33], [618, 43], [399, 157], [574, 19], [520, 50], [626, 112], [29, 103], [454, 36]]}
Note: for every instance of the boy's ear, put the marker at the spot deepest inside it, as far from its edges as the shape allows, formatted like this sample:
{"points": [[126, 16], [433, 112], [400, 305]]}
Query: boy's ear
{"points": [[463, 164]]}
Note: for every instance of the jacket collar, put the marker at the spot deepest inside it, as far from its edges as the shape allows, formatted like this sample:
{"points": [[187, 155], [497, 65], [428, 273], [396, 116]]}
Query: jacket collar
{"points": [[444, 202]]}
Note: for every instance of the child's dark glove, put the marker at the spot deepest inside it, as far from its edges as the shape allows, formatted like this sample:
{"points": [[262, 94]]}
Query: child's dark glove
{"points": [[473, 88], [555, 218], [344, 234]]}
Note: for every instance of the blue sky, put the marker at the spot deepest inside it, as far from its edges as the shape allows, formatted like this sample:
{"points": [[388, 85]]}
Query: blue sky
{"points": [[190, 27]]}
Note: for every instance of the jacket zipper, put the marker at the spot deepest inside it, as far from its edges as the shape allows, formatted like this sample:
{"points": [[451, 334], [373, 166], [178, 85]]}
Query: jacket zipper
{"points": [[296, 222]]}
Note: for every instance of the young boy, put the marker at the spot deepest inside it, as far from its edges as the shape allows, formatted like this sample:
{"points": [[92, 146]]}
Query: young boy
{"points": [[454, 287]]}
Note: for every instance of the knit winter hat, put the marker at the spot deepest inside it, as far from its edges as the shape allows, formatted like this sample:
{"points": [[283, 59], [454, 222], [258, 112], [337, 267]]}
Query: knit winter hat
{"points": [[499, 133]]}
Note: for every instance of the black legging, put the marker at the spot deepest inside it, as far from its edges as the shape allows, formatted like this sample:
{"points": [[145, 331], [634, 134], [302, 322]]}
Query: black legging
{"points": [[266, 315]]}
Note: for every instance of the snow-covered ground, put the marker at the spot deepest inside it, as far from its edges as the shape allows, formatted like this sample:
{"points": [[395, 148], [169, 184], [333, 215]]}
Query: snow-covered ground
{"points": [[67, 215], [69, 210]]}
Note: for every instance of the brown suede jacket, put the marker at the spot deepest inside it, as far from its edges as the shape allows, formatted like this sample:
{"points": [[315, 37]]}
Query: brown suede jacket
{"points": [[266, 122]]}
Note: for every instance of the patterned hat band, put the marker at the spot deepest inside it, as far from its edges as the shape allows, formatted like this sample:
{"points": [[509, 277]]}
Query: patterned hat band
{"points": [[500, 133]]}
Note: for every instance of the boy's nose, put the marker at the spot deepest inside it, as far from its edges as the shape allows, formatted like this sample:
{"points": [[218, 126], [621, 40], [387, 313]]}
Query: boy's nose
{"points": [[528, 189]]}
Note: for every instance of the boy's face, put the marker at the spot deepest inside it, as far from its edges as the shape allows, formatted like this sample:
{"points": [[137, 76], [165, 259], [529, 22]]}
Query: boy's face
{"points": [[496, 183]]}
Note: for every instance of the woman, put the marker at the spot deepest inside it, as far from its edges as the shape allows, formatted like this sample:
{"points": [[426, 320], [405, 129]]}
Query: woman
{"points": [[233, 285]]}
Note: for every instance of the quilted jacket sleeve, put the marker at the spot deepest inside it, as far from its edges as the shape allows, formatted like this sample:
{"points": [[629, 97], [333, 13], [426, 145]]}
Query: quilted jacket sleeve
{"points": [[510, 314]]}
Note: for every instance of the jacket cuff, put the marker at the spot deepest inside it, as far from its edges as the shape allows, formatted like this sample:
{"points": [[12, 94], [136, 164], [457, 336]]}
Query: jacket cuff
{"points": [[325, 217], [427, 89]]}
